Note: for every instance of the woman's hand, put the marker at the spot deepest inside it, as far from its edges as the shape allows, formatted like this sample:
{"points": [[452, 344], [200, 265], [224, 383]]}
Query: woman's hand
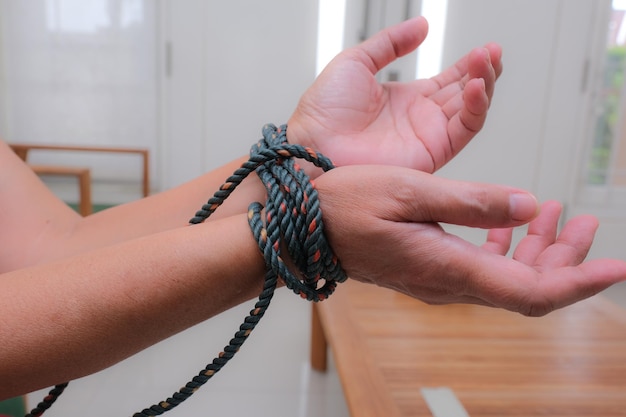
{"points": [[382, 223], [351, 118]]}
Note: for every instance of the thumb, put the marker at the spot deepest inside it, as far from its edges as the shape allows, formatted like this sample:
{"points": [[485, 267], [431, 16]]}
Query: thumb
{"points": [[400, 194], [434, 199], [391, 43]]}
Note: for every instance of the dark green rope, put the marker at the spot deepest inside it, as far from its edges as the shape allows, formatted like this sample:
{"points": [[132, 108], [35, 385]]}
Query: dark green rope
{"points": [[292, 220], [48, 400]]}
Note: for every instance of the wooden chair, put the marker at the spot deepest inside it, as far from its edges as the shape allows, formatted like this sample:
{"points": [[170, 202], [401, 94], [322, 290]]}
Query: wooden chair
{"points": [[82, 174]]}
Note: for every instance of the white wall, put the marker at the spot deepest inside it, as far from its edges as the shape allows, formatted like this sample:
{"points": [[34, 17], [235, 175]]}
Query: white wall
{"points": [[236, 65]]}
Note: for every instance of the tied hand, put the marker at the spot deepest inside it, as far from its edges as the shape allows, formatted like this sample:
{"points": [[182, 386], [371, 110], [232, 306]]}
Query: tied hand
{"points": [[351, 118]]}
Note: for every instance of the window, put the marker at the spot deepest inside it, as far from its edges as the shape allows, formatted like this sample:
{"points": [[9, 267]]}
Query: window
{"points": [[606, 160]]}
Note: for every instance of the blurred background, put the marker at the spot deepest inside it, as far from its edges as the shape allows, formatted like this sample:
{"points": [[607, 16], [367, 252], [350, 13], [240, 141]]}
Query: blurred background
{"points": [[193, 81]]}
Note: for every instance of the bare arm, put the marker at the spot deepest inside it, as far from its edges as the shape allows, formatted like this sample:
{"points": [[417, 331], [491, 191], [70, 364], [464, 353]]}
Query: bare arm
{"points": [[163, 211], [76, 316], [80, 294], [29, 214], [38, 227], [79, 314]]}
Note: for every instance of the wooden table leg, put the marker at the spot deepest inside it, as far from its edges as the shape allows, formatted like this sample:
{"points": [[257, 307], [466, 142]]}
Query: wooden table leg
{"points": [[319, 344]]}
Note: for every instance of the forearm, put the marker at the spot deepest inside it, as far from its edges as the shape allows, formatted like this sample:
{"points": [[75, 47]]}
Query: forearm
{"points": [[160, 212], [164, 211], [78, 315]]}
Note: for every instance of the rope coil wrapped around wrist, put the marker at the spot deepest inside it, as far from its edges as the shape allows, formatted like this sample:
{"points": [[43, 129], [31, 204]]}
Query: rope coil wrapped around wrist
{"points": [[291, 220], [292, 214]]}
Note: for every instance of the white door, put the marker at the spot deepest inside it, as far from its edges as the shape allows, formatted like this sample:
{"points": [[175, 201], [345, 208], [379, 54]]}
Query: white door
{"points": [[232, 67]]}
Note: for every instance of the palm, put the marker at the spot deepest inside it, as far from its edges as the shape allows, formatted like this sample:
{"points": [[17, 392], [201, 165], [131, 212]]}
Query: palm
{"points": [[353, 119]]}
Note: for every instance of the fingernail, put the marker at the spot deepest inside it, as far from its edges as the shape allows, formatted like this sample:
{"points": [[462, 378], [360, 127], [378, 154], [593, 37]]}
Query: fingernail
{"points": [[523, 206]]}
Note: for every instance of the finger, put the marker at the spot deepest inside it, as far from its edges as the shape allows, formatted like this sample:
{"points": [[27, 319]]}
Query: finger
{"points": [[474, 92], [459, 71], [390, 44], [505, 283], [564, 286], [572, 245], [541, 234], [498, 241], [408, 195], [423, 197], [478, 63], [464, 124], [467, 109], [481, 66], [495, 56]]}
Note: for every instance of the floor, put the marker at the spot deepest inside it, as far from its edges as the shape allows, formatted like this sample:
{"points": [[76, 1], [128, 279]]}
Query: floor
{"points": [[270, 376]]}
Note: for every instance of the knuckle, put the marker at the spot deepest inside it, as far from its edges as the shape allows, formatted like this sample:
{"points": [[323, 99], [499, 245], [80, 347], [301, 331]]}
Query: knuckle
{"points": [[482, 204]]}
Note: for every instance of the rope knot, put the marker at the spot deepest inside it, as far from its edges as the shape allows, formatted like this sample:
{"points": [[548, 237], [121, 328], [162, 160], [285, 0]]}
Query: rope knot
{"points": [[293, 219]]}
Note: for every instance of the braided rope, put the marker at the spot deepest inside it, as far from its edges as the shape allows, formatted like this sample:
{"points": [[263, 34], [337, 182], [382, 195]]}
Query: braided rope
{"points": [[292, 221], [292, 214], [48, 400]]}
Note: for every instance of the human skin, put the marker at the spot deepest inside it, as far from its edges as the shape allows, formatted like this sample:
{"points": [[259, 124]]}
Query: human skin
{"points": [[79, 294], [74, 316]]}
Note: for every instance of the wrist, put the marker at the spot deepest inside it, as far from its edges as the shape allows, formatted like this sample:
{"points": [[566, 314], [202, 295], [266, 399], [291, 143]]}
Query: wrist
{"points": [[297, 136]]}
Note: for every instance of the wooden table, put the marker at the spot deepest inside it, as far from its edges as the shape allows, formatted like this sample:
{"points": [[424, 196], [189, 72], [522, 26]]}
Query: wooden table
{"points": [[387, 347]]}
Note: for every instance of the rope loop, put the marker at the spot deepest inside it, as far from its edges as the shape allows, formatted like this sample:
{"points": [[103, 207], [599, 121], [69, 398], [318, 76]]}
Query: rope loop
{"points": [[293, 219]]}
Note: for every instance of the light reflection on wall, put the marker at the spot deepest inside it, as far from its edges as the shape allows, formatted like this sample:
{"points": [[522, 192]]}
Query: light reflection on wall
{"points": [[429, 54], [329, 31], [331, 26]]}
